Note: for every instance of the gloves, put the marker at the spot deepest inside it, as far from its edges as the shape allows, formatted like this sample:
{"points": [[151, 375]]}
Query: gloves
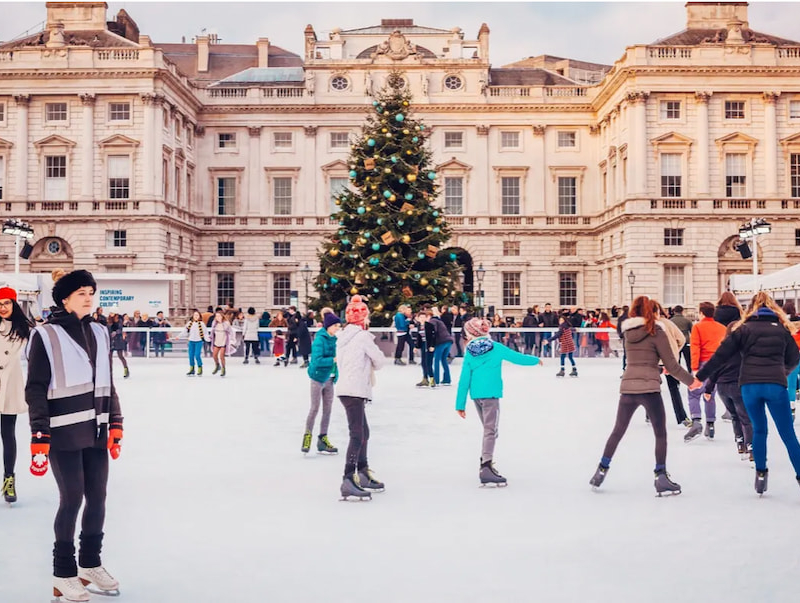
{"points": [[40, 448], [115, 439]]}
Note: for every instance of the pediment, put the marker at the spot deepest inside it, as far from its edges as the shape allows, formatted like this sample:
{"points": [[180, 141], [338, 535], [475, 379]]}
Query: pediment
{"points": [[118, 140], [454, 164], [794, 139], [5, 144], [737, 138], [54, 141], [335, 165], [672, 138]]}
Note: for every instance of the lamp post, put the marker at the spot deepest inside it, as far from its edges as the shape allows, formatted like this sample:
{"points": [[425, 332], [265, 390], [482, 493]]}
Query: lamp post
{"points": [[19, 230], [631, 282], [751, 230], [306, 272], [479, 274]]}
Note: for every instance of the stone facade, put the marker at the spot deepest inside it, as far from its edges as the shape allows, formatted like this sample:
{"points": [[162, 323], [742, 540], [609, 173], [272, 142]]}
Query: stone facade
{"points": [[559, 177]]}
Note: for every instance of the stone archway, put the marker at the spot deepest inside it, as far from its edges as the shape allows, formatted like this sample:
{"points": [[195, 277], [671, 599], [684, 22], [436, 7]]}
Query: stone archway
{"points": [[50, 253], [730, 262], [464, 260]]}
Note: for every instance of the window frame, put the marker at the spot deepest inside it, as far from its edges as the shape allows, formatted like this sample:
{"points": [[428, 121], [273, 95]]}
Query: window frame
{"points": [[453, 147], [519, 186], [575, 187], [570, 248], [3, 166], [789, 116], [109, 186], [573, 147], [282, 277], [276, 148], [225, 276], [336, 177], [509, 149], [674, 237], [461, 82], [793, 172], [511, 289], [226, 249], [568, 277], [217, 199], [664, 111], [116, 239], [219, 147], [745, 118], [666, 288], [46, 169], [274, 196], [512, 249], [344, 147], [339, 76], [56, 122], [282, 249], [3, 111], [728, 179], [110, 115], [670, 186], [445, 193]]}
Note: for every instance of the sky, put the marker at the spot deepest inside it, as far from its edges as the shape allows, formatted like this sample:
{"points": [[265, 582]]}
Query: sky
{"points": [[589, 31]]}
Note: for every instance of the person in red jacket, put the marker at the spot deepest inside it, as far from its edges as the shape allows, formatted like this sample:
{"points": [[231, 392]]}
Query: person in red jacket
{"points": [[602, 336], [706, 336]]}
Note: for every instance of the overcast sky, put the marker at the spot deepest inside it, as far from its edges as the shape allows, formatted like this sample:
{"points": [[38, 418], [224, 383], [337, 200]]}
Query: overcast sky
{"points": [[589, 31]]}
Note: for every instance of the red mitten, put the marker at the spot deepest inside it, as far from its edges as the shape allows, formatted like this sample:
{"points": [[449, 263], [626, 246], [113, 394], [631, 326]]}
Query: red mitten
{"points": [[40, 448], [115, 439]]}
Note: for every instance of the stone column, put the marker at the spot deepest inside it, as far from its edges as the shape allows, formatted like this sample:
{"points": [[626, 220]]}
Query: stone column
{"points": [[702, 186], [148, 146], [538, 176], [770, 143], [483, 197], [158, 144], [254, 172], [87, 150], [638, 142], [310, 204], [22, 101]]}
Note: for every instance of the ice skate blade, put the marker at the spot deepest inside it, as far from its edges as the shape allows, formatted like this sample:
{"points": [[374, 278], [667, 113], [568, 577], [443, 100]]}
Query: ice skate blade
{"points": [[374, 489], [326, 453], [353, 498], [668, 493], [104, 593], [493, 485]]}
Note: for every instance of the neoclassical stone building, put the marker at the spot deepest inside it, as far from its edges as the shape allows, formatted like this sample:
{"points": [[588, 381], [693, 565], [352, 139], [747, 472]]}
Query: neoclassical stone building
{"points": [[561, 177]]}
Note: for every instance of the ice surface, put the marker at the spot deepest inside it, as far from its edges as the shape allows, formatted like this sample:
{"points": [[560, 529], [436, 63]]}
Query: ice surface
{"points": [[213, 501]]}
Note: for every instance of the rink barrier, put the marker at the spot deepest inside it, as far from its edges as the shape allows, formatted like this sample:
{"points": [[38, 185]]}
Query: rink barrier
{"points": [[383, 330]]}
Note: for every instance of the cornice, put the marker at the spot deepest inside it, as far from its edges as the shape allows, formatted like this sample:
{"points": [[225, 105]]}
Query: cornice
{"points": [[420, 109], [115, 256]]}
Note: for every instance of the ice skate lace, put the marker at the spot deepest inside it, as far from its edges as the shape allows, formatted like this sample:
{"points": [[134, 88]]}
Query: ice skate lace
{"points": [[326, 442], [100, 577], [8, 486]]}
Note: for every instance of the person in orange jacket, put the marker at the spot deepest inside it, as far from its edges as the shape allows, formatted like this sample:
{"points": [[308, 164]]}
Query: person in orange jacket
{"points": [[706, 336]]}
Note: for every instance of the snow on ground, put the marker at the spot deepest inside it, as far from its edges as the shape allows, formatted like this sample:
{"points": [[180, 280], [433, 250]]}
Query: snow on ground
{"points": [[213, 501]]}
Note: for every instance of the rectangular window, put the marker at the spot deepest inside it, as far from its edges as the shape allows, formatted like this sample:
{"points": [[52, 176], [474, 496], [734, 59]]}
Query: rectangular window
{"points": [[164, 178], [225, 288], [339, 140], [226, 196], [2, 175], [119, 177], [226, 140], [794, 110], [117, 238], [55, 178], [511, 248], [55, 111], [226, 249], [673, 236], [568, 288], [734, 109], [189, 135], [673, 286], [567, 140], [509, 195], [2, 112], [281, 289], [567, 195], [178, 181], [670, 175], [670, 110], [735, 175], [282, 249], [454, 196], [794, 174], [509, 140], [338, 186], [453, 140], [282, 192], [569, 248], [797, 237], [119, 111], [511, 289], [282, 140]]}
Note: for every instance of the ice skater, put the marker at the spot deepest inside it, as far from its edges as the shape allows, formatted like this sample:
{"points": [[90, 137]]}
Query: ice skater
{"points": [[75, 423], [119, 340], [768, 354], [482, 379], [646, 343], [198, 335], [323, 374], [250, 336], [566, 341], [222, 340], [15, 329], [357, 357]]}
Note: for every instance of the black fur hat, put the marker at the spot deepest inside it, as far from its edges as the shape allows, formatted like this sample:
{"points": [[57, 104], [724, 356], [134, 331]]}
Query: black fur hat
{"points": [[71, 282]]}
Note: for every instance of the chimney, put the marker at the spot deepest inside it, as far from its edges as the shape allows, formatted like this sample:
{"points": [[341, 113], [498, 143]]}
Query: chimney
{"points": [[202, 54], [311, 41], [715, 15], [263, 52], [483, 42], [77, 16]]}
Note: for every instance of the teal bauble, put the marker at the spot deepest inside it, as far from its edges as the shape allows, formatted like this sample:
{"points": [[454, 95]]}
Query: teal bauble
{"points": [[453, 257], [399, 117], [380, 221], [374, 261], [374, 103], [420, 254], [409, 196], [367, 234], [345, 241], [435, 281], [421, 126], [388, 279], [415, 139], [334, 280], [353, 173], [325, 286], [371, 142], [402, 181], [341, 232], [394, 159], [400, 222], [387, 194], [435, 229], [417, 275], [431, 175], [376, 246], [361, 210], [436, 214], [376, 290]]}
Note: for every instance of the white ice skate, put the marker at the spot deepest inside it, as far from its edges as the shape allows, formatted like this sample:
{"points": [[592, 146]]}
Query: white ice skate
{"points": [[69, 589], [98, 581]]}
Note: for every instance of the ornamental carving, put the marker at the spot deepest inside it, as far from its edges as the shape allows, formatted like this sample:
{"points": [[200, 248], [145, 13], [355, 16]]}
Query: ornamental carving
{"points": [[88, 100], [310, 131], [254, 131], [483, 130], [22, 100], [771, 98], [594, 130], [702, 97], [637, 97], [538, 130], [396, 47]]}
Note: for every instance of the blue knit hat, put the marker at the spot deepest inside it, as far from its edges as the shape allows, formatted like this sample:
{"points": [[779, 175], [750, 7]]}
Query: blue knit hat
{"points": [[330, 319]]}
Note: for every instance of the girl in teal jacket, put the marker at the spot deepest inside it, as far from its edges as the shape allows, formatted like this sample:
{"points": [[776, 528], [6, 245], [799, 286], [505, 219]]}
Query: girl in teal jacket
{"points": [[323, 373], [482, 378]]}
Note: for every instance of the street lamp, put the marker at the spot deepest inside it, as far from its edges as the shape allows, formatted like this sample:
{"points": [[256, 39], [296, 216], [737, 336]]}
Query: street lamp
{"points": [[306, 272], [631, 282], [480, 273], [751, 230], [19, 230]]}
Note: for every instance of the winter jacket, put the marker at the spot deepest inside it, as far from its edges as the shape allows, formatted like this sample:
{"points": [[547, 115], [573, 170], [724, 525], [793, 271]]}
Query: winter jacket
{"points": [[481, 375], [684, 324], [197, 331], [292, 322], [323, 354], [400, 323], [160, 336], [642, 374], [447, 320], [575, 319], [358, 357], [442, 332], [620, 321], [564, 336], [250, 328], [12, 382], [119, 340], [303, 337], [530, 321], [706, 337], [600, 335], [548, 319], [768, 351], [82, 434], [676, 338], [725, 315], [230, 340], [264, 320], [727, 372]]}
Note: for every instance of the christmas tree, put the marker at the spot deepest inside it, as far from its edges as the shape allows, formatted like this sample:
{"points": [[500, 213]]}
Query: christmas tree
{"points": [[388, 246]]}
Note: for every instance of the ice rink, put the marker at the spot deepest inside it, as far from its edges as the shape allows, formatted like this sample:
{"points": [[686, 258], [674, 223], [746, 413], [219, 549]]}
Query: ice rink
{"points": [[212, 500]]}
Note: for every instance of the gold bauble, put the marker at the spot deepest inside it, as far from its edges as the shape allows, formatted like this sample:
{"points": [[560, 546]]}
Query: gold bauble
{"points": [[411, 177], [374, 197], [388, 135], [405, 132], [429, 228], [369, 208], [354, 291], [334, 252], [410, 212], [394, 254], [444, 292], [379, 307], [387, 170], [384, 130], [392, 198], [406, 239], [408, 152], [383, 203], [405, 103], [338, 202], [352, 273], [373, 186], [423, 281]]}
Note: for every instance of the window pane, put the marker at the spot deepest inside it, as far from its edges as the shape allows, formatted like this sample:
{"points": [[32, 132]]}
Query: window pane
{"points": [[734, 110], [671, 175], [511, 248], [283, 140], [670, 110], [282, 249], [55, 179], [735, 175], [226, 249], [281, 289], [569, 248], [119, 177], [226, 196], [225, 288], [282, 189], [509, 195], [566, 139], [567, 196], [511, 289], [340, 140], [509, 140], [568, 288], [794, 110], [56, 111], [338, 185], [673, 285], [119, 111], [673, 236], [794, 171], [453, 139], [454, 195], [226, 140], [2, 175]]}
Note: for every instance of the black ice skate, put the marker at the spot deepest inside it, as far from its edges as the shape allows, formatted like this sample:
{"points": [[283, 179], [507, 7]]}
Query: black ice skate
{"points": [[574, 372], [694, 431], [709, 430], [761, 481], [598, 477], [664, 485], [324, 446], [350, 490], [489, 476], [366, 479], [9, 489], [561, 373], [191, 372]]}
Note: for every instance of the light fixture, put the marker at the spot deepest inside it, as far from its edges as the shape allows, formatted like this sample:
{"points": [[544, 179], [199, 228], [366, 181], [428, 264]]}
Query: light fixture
{"points": [[755, 227], [18, 228]]}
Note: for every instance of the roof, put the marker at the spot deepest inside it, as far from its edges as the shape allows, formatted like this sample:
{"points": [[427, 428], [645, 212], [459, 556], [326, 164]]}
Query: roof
{"points": [[387, 29], [548, 58], [526, 77], [266, 75], [93, 38], [695, 37]]}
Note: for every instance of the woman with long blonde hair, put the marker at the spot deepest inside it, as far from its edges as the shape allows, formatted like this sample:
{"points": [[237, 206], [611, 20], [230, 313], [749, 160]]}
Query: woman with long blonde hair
{"points": [[768, 351]]}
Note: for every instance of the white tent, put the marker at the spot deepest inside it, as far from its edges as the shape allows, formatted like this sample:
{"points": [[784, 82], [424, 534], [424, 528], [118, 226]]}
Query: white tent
{"points": [[783, 284]]}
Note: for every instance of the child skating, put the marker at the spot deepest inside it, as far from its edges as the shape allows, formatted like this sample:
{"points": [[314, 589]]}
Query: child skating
{"points": [[482, 379], [323, 373]]}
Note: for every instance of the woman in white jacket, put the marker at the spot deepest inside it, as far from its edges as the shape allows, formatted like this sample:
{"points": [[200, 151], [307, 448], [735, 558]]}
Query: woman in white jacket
{"points": [[676, 341], [357, 357], [14, 332]]}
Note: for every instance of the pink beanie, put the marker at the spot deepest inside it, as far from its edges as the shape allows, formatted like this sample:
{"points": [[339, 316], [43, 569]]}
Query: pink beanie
{"points": [[477, 327], [356, 312]]}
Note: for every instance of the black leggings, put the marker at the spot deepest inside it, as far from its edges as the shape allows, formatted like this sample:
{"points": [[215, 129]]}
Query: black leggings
{"points": [[359, 434], [677, 401], [79, 474], [654, 406], [8, 424], [251, 346], [121, 356]]}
